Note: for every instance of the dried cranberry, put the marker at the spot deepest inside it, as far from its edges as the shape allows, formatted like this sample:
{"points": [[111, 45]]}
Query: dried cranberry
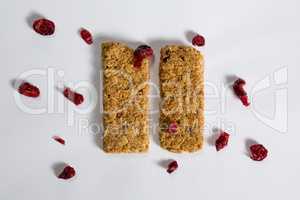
{"points": [[238, 88], [29, 90], [198, 40], [86, 36], [244, 99], [142, 52], [172, 127], [67, 173], [172, 166], [44, 26], [222, 141], [137, 63], [75, 97], [59, 139], [258, 152]]}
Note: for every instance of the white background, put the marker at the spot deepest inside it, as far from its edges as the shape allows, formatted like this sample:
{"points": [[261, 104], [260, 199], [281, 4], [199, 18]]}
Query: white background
{"points": [[251, 39]]}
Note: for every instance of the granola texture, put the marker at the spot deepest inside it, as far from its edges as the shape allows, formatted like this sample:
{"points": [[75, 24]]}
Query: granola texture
{"points": [[181, 76], [125, 100]]}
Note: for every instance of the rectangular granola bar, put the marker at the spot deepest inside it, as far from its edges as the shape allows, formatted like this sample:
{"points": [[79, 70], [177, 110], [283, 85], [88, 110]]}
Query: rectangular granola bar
{"points": [[182, 99], [125, 100]]}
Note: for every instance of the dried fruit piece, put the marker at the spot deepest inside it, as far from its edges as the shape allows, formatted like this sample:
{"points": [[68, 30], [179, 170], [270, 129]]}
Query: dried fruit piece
{"points": [[29, 90], [44, 26], [67, 173], [198, 40], [222, 141], [172, 127], [244, 100], [86, 36], [59, 139], [142, 52], [75, 97], [172, 166], [238, 88], [258, 152]]}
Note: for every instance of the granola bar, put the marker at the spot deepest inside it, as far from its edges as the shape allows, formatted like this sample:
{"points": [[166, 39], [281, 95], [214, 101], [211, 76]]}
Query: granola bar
{"points": [[125, 100], [182, 99]]}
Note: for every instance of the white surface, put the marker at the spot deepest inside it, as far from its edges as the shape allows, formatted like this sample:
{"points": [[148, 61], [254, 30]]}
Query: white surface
{"points": [[251, 39]]}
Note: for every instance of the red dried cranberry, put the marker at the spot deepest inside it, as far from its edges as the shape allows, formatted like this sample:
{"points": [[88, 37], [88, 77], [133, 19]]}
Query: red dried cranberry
{"points": [[137, 62], [67, 173], [86, 36], [29, 90], [258, 152], [59, 139], [44, 26], [198, 40], [222, 141], [172, 127], [238, 88], [142, 52], [244, 99], [75, 97], [172, 166]]}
